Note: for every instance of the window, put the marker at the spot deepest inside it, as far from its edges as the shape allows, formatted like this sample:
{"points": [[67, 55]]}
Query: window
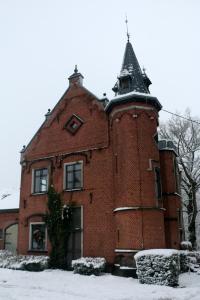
{"points": [[40, 180], [73, 176], [1, 234], [158, 183], [38, 236]]}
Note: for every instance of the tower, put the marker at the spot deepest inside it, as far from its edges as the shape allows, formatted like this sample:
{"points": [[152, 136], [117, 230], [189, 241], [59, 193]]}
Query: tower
{"points": [[138, 207]]}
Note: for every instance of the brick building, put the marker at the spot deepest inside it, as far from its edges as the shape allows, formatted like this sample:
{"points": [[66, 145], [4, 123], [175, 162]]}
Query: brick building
{"points": [[105, 157]]}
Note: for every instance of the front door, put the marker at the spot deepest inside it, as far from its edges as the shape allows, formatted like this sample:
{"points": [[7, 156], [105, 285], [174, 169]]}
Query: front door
{"points": [[74, 250], [11, 234]]}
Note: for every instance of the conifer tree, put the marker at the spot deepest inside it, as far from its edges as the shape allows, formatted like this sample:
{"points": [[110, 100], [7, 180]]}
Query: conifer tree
{"points": [[58, 220]]}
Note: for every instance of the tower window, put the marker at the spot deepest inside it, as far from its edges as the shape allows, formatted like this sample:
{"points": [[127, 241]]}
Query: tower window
{"points": [[158, 183]]}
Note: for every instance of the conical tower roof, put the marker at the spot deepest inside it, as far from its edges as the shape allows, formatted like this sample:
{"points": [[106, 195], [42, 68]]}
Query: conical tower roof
{"points": [[131, 77]]}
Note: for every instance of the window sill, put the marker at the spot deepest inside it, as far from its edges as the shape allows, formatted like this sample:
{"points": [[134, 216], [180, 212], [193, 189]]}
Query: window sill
{"points": [[38, 194], [74, 190], [37, 250]]}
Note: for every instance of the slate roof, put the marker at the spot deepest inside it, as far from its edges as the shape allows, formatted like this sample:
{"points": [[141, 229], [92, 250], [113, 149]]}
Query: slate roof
{"points": [[131, 71]]}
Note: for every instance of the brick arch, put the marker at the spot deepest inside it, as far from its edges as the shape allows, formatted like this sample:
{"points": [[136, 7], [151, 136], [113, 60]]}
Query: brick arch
{"points": [[32, 216], [86, 155], [10, 224]]}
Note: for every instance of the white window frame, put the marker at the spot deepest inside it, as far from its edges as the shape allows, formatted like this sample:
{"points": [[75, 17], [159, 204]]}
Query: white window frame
{"points": [[33, 181], [64, 177], [30, 236]]}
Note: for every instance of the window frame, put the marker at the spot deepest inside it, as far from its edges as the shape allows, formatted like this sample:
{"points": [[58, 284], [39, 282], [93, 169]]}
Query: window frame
{"points": [[30, 237], [33, 181], [65, 176]]}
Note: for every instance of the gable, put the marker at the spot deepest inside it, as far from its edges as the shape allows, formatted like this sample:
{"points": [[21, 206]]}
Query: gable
{"points": [[77, 108]]}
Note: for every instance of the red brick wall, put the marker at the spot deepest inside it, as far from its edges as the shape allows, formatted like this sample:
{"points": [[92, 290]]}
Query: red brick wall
{"points": [[136, 154], [171, 199]]}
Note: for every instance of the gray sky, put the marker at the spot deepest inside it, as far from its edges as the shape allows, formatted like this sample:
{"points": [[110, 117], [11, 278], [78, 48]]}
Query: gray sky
{"points": [[42, 40]]}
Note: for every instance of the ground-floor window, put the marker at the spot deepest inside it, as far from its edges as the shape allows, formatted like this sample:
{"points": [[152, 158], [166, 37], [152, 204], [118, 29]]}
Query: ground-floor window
{"points": [[38, 236]]}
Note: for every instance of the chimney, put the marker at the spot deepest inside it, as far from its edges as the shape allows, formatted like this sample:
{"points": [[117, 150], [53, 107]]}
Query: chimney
{"points": [[76, 78]]}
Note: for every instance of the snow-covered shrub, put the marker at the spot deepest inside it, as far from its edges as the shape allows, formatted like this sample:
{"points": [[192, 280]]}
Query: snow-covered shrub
{"points": [[186, 245], [89, 265], [195, 254], [22, 262], [158, 266], [184, 262], [189, 261]]}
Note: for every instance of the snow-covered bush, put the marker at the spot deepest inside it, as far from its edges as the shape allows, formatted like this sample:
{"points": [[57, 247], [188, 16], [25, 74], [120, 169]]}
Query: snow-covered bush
{"points": [[22, 262], [158, 266], [89, 265], [186, 245], [189, 260], [195, 254], [184, 262]]}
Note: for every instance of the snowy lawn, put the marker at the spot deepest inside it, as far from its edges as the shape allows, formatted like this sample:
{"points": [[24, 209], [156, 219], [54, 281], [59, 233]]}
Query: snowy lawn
{"points": [[63, 285]]}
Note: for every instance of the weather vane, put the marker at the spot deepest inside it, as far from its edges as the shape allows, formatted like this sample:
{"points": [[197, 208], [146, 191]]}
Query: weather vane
{"points": [[128, 34]]}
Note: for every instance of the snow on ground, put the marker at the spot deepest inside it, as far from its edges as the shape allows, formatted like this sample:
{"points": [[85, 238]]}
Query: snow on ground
{"points": [[9, 198], [62, 285]]}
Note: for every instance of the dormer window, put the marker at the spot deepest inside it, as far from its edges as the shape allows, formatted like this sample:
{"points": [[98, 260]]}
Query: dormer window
{"points": [[125, 84]]}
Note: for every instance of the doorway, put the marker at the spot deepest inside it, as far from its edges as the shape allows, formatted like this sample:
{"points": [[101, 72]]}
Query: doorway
{"points": [[74, 249]]}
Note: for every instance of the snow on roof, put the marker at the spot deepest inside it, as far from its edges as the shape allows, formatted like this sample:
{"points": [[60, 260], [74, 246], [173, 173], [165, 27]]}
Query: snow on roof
{"points": [[133, 93], [162, 252], [9, 198]]}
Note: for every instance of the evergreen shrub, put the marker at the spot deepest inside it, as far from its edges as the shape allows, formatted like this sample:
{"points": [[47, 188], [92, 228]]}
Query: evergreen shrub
{"points": [[158, 266], [23, 262], [89, 265], [189, 261]]}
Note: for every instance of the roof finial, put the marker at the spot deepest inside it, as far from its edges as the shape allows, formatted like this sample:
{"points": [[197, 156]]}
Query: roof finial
{"points": [[76, 69], [128, 34]]}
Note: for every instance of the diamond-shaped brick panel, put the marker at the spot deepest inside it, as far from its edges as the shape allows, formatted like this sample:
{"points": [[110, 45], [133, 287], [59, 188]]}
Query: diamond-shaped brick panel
{"points": [[73, 124]]}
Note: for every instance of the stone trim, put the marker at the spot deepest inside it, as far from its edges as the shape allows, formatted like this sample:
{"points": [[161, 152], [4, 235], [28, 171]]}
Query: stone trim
{"points": [[137, 208], [127, 250]]}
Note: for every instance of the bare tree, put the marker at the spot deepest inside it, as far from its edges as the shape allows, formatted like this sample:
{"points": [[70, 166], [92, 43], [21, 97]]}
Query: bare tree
{"points": [[186, 136]]}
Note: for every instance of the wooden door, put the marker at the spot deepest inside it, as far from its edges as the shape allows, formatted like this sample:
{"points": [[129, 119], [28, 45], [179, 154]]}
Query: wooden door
{"points": [[74, 250]]}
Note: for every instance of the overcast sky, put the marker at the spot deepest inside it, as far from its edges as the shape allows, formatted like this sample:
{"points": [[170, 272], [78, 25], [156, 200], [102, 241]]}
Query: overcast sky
{"points": [[42, 40]]}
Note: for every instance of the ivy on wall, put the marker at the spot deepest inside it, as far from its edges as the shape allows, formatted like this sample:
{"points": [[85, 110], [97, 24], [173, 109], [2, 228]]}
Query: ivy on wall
{"points": [[58, 220]]}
